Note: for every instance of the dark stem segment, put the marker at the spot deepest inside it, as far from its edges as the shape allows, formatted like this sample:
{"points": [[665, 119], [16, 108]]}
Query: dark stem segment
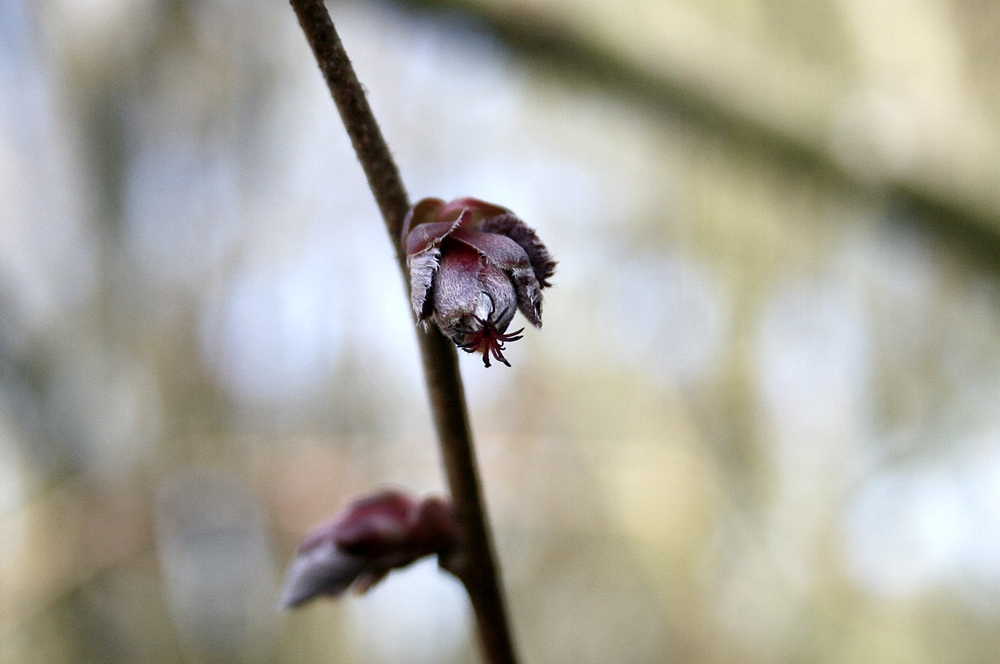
{"points": [[474, 562]]}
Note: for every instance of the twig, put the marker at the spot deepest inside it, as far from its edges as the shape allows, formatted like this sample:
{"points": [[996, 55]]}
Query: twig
{"points": [[474, 562]]}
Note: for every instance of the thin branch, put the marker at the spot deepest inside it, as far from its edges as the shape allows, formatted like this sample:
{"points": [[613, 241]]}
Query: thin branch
{"points": [[474, 562]]}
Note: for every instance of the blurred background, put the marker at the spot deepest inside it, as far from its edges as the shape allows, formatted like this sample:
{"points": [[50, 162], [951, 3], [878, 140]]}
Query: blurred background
{"points": [[760, 424]]}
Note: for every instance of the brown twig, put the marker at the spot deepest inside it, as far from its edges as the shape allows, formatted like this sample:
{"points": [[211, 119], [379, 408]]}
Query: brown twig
{"points": [[474, 562]]}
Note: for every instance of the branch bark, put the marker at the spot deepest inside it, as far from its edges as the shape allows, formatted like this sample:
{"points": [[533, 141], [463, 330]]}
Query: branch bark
{"points": [[474, 561]]}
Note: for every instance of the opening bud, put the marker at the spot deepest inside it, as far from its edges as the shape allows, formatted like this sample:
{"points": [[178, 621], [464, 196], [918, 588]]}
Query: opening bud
{"points": [[472, 266]]}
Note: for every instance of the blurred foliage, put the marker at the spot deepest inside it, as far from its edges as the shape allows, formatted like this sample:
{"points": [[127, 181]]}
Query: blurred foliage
{"points": [[759, 424]]}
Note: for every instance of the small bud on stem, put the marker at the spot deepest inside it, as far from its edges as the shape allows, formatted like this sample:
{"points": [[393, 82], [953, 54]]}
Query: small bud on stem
{"points": [[363, 543]]}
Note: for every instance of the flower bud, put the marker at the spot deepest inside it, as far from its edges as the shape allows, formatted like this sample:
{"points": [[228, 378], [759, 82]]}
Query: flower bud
{"points": [[472, 265], [364, 542]]}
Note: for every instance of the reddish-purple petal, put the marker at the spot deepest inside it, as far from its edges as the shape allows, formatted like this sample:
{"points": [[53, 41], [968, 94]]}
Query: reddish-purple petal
{"points": [[458, 288], [506, 254], [374, 524], [510, 226], [478, 210], [497, 249], [425, 211], [425, 236]]}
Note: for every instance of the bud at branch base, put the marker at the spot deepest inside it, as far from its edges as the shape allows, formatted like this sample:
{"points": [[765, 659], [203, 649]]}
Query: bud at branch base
{"points": [[364, 542]]}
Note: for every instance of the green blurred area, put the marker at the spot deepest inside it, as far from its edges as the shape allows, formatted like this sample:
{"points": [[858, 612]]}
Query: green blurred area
{"points": [[759, 423]]}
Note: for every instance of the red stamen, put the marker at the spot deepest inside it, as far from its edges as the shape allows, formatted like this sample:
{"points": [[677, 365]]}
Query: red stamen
{"points": [[489, 341]]}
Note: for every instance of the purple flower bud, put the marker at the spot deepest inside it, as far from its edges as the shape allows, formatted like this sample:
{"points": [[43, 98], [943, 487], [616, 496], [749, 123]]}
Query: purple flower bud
{"points": [[358, 547], [472, 265]]}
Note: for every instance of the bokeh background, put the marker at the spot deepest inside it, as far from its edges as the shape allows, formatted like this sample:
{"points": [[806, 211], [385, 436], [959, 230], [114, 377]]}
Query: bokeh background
{"points": [[761, 423]]}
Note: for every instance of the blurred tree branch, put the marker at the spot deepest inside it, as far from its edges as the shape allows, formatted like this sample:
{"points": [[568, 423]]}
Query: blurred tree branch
{"points": [[749, 98]]}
